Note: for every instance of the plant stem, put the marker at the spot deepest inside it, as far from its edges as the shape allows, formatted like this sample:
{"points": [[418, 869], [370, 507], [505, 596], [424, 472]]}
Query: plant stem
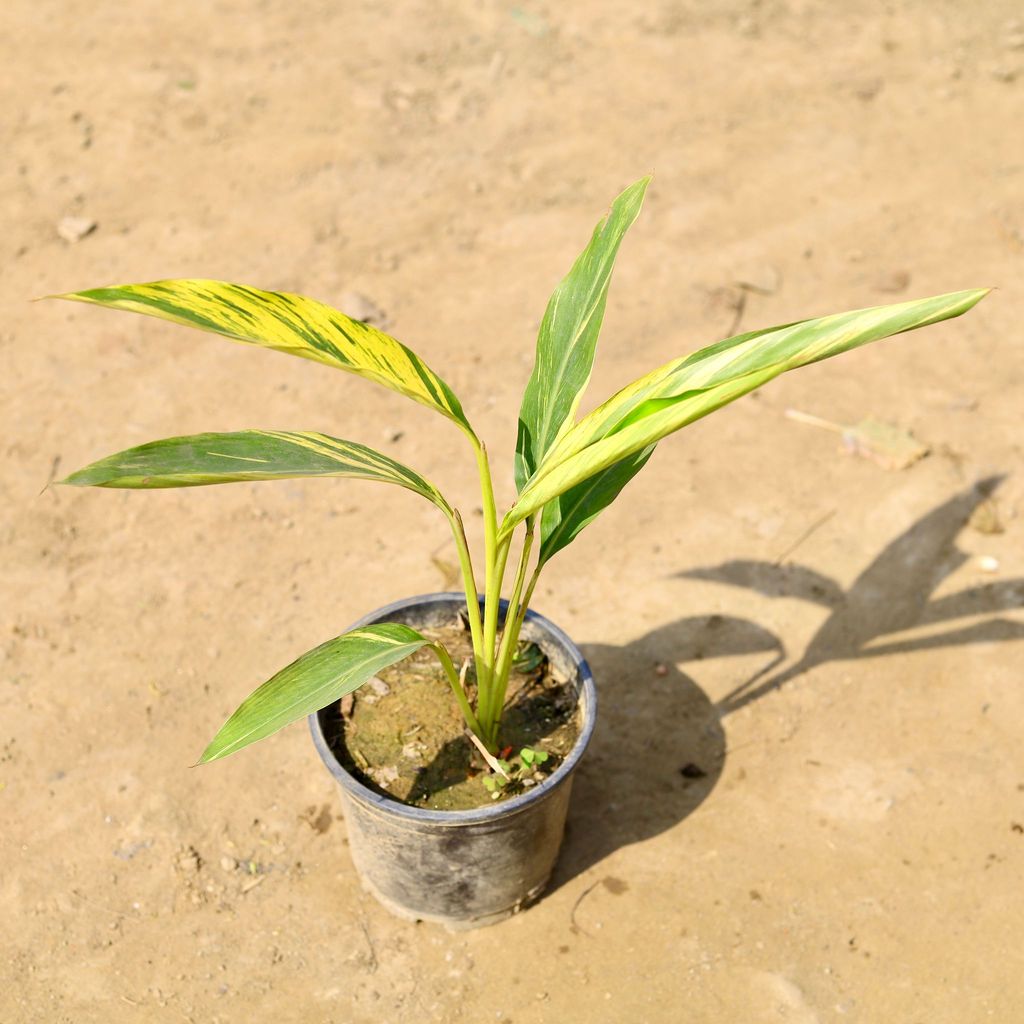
{"points": [[495, 555], [509, 638], [457, 688], [469, 585], [492, 602]]}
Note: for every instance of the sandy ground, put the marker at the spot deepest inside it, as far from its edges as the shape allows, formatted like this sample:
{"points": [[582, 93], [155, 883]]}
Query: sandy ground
{"points": [[855, 851]]}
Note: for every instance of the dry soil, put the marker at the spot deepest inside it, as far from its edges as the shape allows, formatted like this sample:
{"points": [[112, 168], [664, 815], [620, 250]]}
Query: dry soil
{"points": [[810, 663]]}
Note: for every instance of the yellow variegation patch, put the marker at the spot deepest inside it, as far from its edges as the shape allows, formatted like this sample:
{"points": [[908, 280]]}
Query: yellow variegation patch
{"points": [[288, 323]]}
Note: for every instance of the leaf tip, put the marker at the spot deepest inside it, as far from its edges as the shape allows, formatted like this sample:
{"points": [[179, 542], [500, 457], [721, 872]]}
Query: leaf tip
{"points": [[211, 753], [70, 296], [86, 477]]}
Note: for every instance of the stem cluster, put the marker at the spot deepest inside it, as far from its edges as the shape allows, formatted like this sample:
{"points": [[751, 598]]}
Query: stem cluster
{"points": [[492, 652]]}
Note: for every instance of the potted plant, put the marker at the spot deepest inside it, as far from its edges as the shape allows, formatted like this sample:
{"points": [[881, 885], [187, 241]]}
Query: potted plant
{"points": [[476, 863]]}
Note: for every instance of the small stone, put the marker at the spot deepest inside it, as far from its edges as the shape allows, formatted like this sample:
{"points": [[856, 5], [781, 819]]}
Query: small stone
{"points": [[986, 563], [188, 861], [893, 281], [228, 863], [867, 89], [494, 69], [986, 519], [359, 307], [378, 686], [661, 670], [74, 229]]}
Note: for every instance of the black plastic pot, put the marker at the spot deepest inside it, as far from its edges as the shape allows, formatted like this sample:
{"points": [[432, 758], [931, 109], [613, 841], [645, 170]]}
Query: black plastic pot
{"points": [[463, 869]]}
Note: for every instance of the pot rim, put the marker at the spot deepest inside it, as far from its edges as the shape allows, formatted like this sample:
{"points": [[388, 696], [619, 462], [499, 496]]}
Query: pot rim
{"points": [[587, 698]]}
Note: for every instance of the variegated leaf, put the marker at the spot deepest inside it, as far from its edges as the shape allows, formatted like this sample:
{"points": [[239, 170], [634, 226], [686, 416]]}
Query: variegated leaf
{"points": [[247, 455], [289, 323], [686, 389], [568, 336], [579, 506], [312, 682]]}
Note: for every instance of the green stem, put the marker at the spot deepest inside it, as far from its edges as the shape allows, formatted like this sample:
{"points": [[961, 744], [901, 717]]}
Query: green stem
{"points": [[492, 601], [460, 694], [529, 593], [496, 554], [490, 550], [469, 585], [509, 639]]}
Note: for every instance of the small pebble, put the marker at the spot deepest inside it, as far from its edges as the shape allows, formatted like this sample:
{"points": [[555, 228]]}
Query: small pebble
{"points": [[986, 519], [988, 564], [359, 307], [74, 229], [228, 863], [867, 89], [893, 282]]}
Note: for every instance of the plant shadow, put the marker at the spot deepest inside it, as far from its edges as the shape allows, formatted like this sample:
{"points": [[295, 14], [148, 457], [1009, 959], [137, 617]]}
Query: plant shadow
{"points": [[640, 778], [891, 596]]}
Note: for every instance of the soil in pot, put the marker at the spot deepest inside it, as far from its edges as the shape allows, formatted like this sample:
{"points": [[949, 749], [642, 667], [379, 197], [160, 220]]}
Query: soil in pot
{"points": [[401, 734]]}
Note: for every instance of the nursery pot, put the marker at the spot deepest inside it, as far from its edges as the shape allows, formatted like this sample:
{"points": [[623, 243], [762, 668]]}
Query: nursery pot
{"points": [[463, 869]]}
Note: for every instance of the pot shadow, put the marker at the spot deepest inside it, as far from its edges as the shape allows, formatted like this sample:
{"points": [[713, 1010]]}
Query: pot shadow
{"points": [[640, 778]]}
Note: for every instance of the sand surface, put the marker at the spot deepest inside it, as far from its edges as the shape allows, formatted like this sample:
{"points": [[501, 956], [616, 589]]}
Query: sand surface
{"points": [[837, 646]]}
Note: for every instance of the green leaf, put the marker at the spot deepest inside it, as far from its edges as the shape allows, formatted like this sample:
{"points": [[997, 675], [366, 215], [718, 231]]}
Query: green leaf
{"points": [[566, 515], [247, 455], [686, 389], [569, 513], [528, 658], [313, 681], [289, 323], [568, 337]]}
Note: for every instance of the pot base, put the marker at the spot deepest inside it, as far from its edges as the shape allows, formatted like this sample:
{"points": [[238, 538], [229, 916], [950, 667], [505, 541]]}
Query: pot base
{"points": [[448, 923]]}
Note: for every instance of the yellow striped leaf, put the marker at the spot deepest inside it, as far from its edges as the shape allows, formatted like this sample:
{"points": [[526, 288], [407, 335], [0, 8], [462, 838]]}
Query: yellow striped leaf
{"points": [[289, 323], [312, 682], [686, 389], [247, 455]]}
